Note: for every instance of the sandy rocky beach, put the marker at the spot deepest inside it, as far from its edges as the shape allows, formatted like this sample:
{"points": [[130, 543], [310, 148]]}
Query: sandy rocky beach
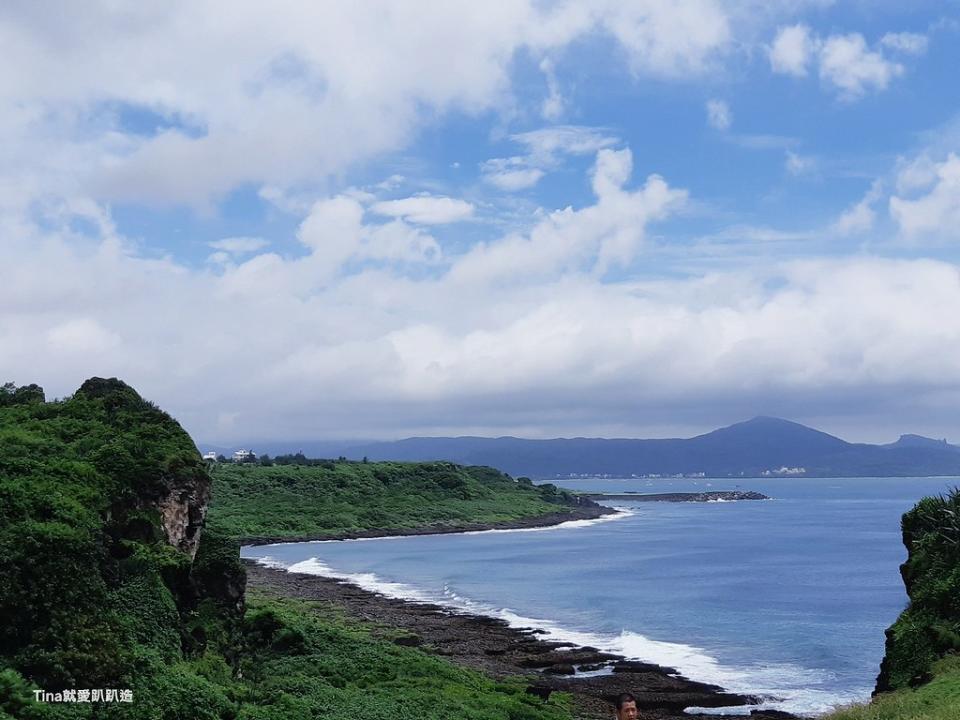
{"points": [[594, 678]]}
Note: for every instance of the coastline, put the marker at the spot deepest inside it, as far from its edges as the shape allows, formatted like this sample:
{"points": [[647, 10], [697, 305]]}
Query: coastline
{"points": [[494, 647], [592, 511]]}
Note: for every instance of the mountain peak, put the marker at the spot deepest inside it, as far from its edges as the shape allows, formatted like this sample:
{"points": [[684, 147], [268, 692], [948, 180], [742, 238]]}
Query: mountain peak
{"points": [[768, 420], [911, 440], [772, 431]]}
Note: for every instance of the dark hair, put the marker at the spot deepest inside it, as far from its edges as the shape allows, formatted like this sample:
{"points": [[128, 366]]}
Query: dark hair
{"points": [[623, 699]]}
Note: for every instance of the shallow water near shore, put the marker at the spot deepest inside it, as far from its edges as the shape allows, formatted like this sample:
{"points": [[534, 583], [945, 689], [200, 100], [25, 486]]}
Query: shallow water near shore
{"points": [[785, 598]]}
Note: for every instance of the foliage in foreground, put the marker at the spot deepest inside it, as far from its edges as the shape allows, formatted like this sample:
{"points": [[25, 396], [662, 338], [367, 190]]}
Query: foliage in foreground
{"points": [[338, 497], [929, 628], [94, 597], [304, 661], [300, 660], [937, 700]]}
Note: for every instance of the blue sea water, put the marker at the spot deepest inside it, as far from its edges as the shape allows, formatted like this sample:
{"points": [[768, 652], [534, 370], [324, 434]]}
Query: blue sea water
{"points": [[786, 598]]}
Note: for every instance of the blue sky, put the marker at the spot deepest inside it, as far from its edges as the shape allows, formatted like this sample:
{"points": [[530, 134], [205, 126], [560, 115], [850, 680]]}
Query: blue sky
{"points": [[630, 219]]}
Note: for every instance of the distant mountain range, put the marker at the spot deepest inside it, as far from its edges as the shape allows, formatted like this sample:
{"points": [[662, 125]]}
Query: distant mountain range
{"points": [[761, 447]]}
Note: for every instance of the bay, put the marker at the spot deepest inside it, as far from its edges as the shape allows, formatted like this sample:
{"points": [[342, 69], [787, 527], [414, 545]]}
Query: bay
{"points": [[786, 598]]}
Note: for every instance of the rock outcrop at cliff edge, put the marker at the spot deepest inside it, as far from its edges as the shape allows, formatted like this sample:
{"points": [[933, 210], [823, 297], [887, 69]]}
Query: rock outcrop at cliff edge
{"points": [[108, 576], [157, 458], [930, 626]]}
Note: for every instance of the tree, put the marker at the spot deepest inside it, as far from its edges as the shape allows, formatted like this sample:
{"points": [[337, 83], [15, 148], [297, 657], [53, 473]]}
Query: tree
{"points": [[10, 394]]}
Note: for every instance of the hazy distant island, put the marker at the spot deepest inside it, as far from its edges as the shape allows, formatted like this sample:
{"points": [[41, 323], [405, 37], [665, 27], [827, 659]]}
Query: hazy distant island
{"points": [[761, 447]]}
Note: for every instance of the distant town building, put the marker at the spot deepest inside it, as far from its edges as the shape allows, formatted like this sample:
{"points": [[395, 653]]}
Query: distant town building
{"points": [[785, 471], [243, 456], [211, 456]]}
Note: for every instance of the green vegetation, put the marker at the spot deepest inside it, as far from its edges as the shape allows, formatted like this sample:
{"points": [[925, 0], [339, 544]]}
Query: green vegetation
{"points": [[920, 675], [104, 586], [330, 498], [305, 661], [93, 594], [930, 627], [937, 700]]}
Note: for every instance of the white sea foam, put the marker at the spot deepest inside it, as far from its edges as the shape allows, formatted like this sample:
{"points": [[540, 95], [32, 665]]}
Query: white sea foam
{"points": [[621, 513], [785, 686], [271, 562]]}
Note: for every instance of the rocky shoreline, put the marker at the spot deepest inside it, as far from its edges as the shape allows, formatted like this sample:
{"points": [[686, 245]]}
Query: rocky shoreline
{"points": [[586, 511], [594, 678]]}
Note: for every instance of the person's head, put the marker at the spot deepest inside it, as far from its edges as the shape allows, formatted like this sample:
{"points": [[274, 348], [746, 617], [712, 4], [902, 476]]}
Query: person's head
{"points": [[626, 707]]}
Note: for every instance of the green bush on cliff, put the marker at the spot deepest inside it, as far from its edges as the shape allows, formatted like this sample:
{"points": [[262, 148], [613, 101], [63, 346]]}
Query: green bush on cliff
{"points": [[306, 662], [937, 700], [329, 498], [929, 628], [94, 596]]}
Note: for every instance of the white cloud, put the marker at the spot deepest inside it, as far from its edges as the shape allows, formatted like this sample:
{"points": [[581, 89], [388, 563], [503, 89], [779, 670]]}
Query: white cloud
{"points": [[375, 353], [426, 209], [239, 245], [860, 217], [938, 211], [547, 143], [594, 239], [400, 243], [719, 116], [219, 258], [857, 219], [511, 174], [545, 150], [846, 63], [553, 105], [370, 329], [295, 107], [81, 336], [791, 50], [798, 164], [668, 38], [333, 226], [920, 173], [905, 42], [755, 234]]}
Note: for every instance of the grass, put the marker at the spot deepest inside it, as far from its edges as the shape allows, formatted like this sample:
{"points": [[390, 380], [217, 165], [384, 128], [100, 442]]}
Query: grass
{"points": [[93, 596], [937, 700], [305, 659], [342, 497]]}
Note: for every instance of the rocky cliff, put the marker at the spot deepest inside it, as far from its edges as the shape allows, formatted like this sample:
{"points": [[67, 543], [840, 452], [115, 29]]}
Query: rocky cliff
{"points": [[108, 577]]}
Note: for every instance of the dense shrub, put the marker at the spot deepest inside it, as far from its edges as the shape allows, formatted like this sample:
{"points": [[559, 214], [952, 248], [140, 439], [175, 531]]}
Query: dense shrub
{"points": [[330, 498], [93, 596], [930, 627]]}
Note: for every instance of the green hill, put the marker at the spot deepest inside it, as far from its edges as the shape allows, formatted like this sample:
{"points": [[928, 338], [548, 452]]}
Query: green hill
{"points": [[110, 581], [338, 498]]}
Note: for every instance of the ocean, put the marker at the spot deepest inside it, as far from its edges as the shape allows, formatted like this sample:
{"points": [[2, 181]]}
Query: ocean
{"points": [[786, 598]]}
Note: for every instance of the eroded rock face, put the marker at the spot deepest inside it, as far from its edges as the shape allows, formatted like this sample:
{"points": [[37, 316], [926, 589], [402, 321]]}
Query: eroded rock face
{"points": [[152, 461], [182, 512]]}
